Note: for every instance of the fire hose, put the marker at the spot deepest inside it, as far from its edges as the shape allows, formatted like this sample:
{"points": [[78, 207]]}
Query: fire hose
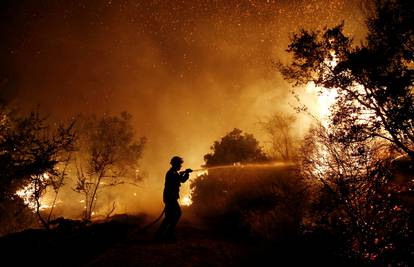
{"points": [[154, 222], [163, 211]]}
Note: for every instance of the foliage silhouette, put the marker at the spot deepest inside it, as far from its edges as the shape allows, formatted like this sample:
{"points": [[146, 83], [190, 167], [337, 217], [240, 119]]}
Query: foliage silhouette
{"points": [[31, 150], [373, 81], [235, 147]]}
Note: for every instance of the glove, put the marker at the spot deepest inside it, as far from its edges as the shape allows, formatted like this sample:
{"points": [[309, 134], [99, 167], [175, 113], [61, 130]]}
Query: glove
{"points": [[188, 170]]}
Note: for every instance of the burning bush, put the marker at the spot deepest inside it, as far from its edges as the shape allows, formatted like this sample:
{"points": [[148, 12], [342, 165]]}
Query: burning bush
{"points": [[355, 198], [30, 150], [370, 122]]}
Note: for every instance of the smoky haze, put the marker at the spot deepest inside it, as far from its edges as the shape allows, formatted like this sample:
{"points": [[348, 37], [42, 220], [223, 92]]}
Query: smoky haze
{"points": [[188, 71]]}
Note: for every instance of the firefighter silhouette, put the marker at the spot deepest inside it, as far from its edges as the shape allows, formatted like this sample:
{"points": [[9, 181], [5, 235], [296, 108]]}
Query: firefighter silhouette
{"points": [[171, 194]]}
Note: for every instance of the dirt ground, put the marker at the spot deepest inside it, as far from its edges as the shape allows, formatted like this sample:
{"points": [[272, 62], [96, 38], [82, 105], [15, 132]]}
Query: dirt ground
{"points": [[122, 242], [194, 246]]}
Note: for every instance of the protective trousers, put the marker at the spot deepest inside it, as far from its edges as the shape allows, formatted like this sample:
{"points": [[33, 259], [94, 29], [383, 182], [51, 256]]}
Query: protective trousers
{"points": [[172, 216]]}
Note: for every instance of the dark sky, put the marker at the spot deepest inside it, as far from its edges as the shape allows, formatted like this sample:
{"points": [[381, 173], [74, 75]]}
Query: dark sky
{"points": [[188, 71]]}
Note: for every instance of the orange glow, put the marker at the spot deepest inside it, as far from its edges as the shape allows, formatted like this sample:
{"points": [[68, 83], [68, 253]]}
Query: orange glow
{"points": [[186, 79], [186, 200], [26, 194]]}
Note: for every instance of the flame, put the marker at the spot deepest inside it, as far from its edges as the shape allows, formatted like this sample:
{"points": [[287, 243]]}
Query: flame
{"points": [[326, 98], [186, 200], [28, 191]]}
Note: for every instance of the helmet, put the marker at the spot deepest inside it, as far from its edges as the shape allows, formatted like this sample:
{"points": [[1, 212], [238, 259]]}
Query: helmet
{"points": [[176, 160]]}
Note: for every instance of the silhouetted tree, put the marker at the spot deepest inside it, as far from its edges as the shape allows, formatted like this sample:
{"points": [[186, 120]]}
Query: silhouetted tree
{"points": [[373, 81], [108, 154], [279, 128], [235, 147], [30, 152], [371, 118], [59, 177]]}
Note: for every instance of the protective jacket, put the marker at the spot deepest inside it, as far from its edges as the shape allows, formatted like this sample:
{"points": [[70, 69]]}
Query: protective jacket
{"points": [[173, 180]]}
